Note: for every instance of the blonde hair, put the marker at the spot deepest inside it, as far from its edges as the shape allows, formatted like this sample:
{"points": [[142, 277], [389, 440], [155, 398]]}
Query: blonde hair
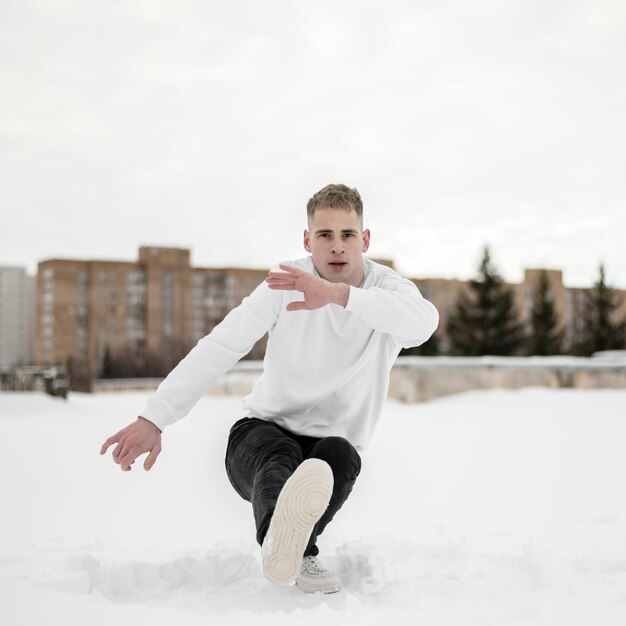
{"points": [[335, 196]]}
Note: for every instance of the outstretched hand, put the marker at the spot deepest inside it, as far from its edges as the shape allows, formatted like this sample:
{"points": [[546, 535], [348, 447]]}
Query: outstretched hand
{"points": [[136, 439], [317, 291]]}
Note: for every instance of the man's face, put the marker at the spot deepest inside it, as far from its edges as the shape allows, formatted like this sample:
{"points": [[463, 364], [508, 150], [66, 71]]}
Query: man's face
{"points": [[337, 241]]}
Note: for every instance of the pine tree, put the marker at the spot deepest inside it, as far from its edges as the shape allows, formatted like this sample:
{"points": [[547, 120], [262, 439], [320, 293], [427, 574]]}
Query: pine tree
{"points": [[545, 336], [432, 347], [600, 330], [485, 321], [108, 364]]}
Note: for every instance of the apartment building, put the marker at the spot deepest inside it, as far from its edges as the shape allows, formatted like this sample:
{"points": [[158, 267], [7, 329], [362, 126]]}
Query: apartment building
{"points": [[17, 323], [150, 312]]}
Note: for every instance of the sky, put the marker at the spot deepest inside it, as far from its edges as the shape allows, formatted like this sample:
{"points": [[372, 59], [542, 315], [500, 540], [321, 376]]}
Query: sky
{"points": [[208, 125]]}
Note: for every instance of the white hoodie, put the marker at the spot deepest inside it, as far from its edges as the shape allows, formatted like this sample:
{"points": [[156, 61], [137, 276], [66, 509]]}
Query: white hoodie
{"points": [[325, 372]]}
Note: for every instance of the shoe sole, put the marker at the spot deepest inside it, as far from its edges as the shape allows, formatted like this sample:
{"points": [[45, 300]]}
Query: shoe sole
{"points": [[302, 501], [325, 588]]}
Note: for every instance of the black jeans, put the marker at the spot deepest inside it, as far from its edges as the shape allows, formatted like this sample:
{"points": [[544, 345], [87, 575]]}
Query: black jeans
{"points": [[261, 456]]}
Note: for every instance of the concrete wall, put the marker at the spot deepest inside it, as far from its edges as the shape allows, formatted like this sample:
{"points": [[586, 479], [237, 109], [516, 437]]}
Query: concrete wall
{"points": [[418, 379], [413, 382]]}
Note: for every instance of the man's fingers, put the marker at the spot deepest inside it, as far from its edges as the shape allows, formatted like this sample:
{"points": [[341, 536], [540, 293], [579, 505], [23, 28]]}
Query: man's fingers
{"points": [[108, 443], [152, 457], [136, 439], [281, 277], [289, 276], [126, 457], [117, 452], [127, 460], [277, 280], [297, 306], [280, 285]]}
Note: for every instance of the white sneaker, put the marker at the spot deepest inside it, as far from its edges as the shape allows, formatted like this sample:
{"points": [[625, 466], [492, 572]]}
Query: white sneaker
{"points": [[301, 502], [314, 577]]}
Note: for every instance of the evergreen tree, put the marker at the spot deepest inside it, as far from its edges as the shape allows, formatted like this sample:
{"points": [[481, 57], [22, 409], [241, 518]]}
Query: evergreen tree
{"points": [[108, 364], [599, 330], [485, 320], [545, 336], [431, 348]]}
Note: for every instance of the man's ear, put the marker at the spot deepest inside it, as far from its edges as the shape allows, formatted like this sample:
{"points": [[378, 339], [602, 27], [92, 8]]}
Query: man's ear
{"points": [[307, 241], [366, 240]]}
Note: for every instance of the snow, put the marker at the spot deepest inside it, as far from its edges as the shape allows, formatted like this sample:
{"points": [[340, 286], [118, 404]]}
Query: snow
{"points": [[491, 507]]}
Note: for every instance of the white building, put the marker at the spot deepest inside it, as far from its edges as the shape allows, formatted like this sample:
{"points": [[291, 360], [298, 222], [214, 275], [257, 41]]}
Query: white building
{"points": [[17, 317]]}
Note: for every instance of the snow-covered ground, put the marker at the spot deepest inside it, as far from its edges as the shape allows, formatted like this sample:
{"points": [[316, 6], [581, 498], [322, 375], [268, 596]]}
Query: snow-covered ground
{"points": [[499, 507]]}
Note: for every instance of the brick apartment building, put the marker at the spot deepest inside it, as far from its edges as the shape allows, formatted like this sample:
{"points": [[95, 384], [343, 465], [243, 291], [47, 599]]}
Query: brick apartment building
{"points": [[157, 308]]}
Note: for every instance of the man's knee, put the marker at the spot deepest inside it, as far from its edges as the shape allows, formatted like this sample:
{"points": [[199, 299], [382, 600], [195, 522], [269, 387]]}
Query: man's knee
{"points": [[341, 455]]}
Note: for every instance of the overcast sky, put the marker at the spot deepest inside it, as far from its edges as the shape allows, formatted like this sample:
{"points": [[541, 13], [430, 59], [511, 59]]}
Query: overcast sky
{"points": [[208, 125]]}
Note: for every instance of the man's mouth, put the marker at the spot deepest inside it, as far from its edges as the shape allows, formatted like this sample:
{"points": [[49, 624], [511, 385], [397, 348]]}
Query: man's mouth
{"points": [[337, 263]]}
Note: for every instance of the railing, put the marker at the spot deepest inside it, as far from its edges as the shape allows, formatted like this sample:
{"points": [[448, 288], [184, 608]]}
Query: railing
{"points": [[413, 379], [417, 379], [51, 380]]}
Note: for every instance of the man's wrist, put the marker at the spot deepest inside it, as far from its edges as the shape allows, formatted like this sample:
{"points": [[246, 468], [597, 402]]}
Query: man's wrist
{"points": [[145, 419], [340, 294]]}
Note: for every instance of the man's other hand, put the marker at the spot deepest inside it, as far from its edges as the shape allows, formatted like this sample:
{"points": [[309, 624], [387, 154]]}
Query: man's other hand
{"points": [[136, 439], [317, 291]]}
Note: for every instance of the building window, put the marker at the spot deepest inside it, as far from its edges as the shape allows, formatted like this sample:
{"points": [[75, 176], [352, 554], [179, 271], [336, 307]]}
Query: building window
{"points": [[135, 277]]}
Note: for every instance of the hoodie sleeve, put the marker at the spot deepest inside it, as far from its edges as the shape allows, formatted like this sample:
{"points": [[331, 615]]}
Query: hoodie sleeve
{"points": [[213, 356], [397, 308]]}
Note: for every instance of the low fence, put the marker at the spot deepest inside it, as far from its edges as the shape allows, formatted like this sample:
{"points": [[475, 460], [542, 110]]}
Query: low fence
{"points": [[52, 380], [237, 382], [418, 379]]}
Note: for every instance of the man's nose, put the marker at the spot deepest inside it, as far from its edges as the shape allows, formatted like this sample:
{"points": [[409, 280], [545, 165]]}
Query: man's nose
{"points": [[337, 247]]}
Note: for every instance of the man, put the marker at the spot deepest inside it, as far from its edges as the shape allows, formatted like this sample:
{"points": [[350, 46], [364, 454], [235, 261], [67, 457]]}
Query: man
{"points": [[336, 323]]}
